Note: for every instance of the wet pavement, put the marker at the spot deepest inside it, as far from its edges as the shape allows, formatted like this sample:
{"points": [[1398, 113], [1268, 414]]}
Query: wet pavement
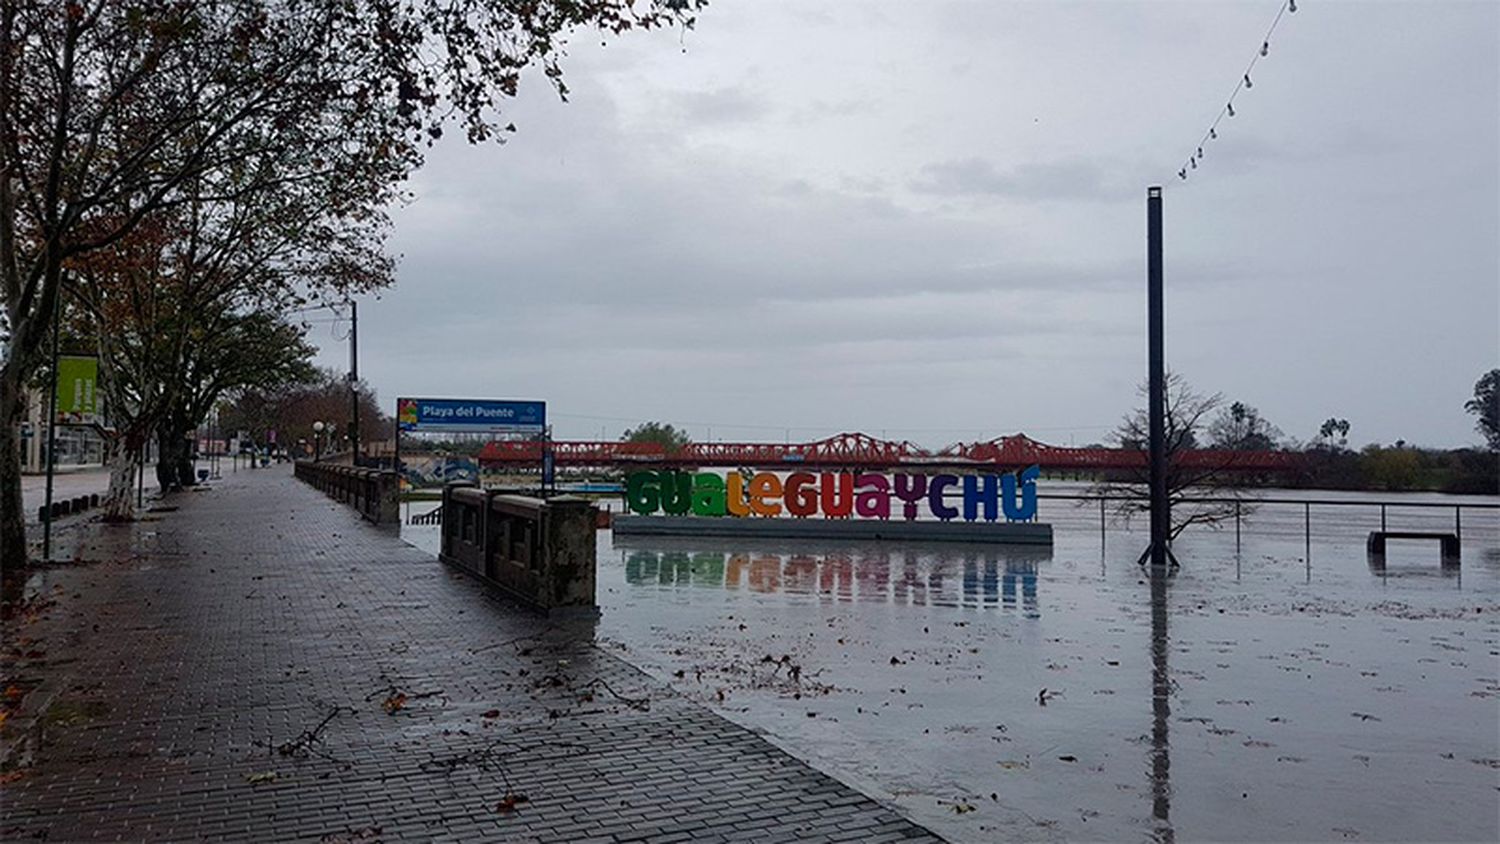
{"points": [[1264, 695], [254, 663]]}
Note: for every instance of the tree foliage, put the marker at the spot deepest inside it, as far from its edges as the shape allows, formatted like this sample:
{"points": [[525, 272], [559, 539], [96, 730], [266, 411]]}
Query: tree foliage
{"points": [[217, 122], [1240, 427], [1334, 433], [657, 433], [285, 413], [1486, 405]]}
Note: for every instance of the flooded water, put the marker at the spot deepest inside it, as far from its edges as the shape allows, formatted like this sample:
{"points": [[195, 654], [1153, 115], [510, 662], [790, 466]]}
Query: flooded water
{"points": [[1269, 694]]}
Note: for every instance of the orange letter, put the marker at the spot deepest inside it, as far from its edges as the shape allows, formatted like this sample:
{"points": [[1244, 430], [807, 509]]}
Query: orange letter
{"points": [[736, 500], [762, 487]]}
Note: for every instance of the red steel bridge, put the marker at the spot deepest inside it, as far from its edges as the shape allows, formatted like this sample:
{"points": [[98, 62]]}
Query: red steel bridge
{"points": [[861, 451]]}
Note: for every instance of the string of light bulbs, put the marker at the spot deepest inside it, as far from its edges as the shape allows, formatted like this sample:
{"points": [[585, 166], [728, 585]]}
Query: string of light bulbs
{"points": [[1245, 83]]}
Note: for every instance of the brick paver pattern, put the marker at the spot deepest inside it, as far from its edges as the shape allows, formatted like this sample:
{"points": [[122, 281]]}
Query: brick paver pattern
{"points": [[235, 670]]}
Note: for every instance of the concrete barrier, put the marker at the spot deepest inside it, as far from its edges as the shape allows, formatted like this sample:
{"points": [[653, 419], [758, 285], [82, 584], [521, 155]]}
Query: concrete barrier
{"points": [[374, 493], [541, 551]]}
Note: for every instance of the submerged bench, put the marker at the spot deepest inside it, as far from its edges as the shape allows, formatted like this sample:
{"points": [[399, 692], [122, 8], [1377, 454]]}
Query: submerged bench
{"points": [[1376, 543]]}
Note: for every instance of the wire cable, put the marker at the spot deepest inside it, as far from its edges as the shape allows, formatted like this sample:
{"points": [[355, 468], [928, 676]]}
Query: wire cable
{"points": [[1245, 83]]}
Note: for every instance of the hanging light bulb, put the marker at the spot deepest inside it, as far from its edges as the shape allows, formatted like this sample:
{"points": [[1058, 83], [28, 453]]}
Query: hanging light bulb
{"points": [[1213, 134], [1182, 174], [1248, 83], [1230, 106], [1194, 162], [1265, 48], [1200, 152], [1291, 6]]}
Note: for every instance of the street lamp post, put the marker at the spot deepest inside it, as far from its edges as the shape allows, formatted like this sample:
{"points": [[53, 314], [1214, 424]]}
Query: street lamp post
{"points": [[317, 439]]}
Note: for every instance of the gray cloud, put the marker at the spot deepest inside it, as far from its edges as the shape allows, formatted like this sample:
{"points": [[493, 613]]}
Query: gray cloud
{"points": [[719, 106], [1038, 182], [805, 222]]}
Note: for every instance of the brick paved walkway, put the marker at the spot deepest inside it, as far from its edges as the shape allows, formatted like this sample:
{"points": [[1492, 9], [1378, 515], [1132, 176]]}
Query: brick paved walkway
{"points": [[230, 678]]}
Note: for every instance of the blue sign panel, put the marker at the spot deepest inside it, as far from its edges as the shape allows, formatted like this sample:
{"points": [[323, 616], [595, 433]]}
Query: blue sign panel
{"points": [[476, 415]]}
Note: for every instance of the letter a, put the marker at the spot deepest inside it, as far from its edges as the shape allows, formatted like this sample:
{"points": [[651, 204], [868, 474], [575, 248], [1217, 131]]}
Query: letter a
{"points": [[708, 494], [873, 500]]}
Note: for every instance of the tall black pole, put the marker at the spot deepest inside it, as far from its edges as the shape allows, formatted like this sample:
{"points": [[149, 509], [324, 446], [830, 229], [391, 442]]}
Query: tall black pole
{"points": [[354, 378], [51, 429], [1161, 513]]}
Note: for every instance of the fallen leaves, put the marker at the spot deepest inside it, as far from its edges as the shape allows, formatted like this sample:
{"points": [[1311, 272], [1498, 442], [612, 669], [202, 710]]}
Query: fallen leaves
{"points": [[395, 700], [258, 778], [509, 802]]}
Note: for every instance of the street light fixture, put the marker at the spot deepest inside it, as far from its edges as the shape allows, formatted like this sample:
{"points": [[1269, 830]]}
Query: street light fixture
{"points": [[318, 427]]}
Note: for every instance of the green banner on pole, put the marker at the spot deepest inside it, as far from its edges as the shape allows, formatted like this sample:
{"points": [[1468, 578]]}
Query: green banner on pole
{"points": [[77, 394]]}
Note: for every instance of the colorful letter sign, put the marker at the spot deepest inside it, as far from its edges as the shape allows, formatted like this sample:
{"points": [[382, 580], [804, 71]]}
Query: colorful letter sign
{"points": [[835, 495], [476, 415]]}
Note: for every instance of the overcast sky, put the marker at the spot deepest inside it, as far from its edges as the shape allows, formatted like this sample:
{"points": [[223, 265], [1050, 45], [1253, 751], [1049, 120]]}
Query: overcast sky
{"points": [[927, 221]]}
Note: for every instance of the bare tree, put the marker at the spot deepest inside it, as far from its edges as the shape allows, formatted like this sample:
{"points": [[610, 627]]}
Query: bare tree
{"points": [[1193, 475]]}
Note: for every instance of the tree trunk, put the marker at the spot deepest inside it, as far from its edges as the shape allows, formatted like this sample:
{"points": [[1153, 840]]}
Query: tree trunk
{"points": [[122, 456], [12, 515], [166, 461], [174, 466]]}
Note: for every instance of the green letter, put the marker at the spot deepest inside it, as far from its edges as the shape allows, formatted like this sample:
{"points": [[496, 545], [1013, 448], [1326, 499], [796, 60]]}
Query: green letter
{"points": [[708, 494], [642, 494]]}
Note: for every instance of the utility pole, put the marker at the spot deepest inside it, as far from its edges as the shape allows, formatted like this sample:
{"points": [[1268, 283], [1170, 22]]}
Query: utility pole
{"points": [[1159, 552], [354, 378], [51, 430]]}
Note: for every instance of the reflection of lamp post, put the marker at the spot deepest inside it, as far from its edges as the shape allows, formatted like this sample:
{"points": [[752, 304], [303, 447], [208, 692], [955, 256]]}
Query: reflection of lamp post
{"points": [[1161, 708], [318, 439]]}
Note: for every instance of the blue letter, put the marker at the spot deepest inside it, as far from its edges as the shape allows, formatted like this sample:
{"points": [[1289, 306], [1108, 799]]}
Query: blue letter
{"points": [[1027, 509], [935, 497], [988, 495]]}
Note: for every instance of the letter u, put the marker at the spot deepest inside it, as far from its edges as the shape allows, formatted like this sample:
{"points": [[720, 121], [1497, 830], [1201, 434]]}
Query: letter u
{"points": [[1026, 510]]}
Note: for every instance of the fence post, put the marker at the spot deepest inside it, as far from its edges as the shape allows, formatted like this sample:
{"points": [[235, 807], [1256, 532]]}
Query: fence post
{"points": [[1101, 523], [1307, 529]]}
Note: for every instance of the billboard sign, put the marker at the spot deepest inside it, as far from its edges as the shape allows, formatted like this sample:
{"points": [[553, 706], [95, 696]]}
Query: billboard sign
{"points": [[77, 396], [483, 416]]}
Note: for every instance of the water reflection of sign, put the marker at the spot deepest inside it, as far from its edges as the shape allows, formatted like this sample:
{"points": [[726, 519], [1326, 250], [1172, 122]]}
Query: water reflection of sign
{"points": [[973, 581], [837, 495], [77, 379], [476, 415]]}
